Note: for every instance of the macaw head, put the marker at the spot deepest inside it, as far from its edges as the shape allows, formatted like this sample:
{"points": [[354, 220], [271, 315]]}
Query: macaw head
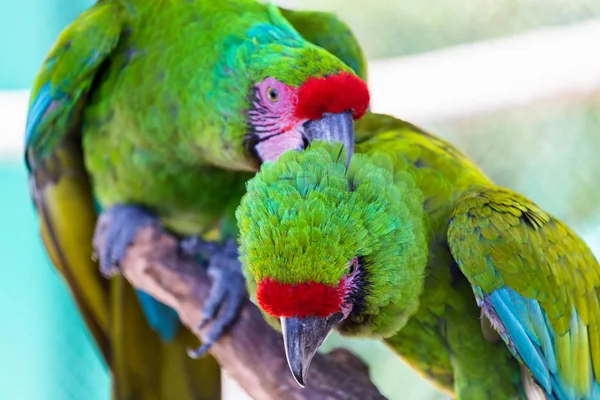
{"points": [[299, 93], [325, 246], [284, 117]]}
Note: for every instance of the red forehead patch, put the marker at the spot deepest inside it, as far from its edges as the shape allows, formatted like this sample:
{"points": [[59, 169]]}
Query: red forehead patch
{"points": [[300, 300], [332, 94]]}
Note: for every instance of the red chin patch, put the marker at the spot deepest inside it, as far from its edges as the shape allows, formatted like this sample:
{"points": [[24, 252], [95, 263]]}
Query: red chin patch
{"points": [[332, 94], [300, 300]]}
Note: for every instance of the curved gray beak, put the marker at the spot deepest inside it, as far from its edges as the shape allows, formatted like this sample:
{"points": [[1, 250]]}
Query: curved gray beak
{"points": [[333, 128], [302, 337]]}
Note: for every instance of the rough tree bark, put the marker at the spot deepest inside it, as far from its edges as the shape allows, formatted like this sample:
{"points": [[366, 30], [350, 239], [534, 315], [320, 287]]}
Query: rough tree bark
{"points": [[252, 353]]}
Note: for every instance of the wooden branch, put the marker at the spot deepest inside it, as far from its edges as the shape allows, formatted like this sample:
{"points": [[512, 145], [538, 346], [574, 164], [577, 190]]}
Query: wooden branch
{"points": [[252, 353]]}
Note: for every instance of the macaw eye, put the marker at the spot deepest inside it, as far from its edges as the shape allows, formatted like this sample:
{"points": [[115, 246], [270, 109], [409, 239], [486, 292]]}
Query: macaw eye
{"points": [[272, 94], [352, 267]]}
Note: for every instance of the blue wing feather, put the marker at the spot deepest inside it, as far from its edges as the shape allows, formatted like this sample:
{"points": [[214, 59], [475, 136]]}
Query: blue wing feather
{"points": [[540, 325], [37, 109], [558, 389], [161, 318], [595, 391], [526, 348], [531, 335]]}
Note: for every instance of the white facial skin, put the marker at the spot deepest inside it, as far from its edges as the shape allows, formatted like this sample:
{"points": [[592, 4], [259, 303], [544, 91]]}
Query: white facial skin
{"points": [[350, 282], [273, 121]]}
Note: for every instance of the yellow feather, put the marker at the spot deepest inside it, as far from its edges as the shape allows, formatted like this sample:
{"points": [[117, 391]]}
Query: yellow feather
{"points": [[69, 244], [581, 359], [564, 357]]}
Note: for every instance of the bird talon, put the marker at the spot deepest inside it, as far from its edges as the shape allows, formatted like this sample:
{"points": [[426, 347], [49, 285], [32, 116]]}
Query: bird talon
{"points": [[205, 321], [124, 223], [193, 245], [227, 293], [109, 271], [199, 352]]}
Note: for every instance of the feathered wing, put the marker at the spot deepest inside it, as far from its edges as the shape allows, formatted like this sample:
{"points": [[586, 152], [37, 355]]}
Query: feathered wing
{"points": [[537, 282], [59, 183], [143, 366]]}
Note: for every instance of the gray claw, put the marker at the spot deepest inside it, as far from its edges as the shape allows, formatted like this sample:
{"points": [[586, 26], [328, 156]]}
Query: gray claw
{"points": [[193, 246], [124, 222], [226, 297]]}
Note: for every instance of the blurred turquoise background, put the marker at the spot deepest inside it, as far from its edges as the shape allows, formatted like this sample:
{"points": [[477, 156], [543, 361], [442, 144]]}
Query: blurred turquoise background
{"points": [[45, 350], [28, 29], [546, 150]]}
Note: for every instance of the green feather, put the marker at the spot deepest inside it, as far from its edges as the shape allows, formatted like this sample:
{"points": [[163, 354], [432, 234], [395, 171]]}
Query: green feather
{"points": [[329, 32]]}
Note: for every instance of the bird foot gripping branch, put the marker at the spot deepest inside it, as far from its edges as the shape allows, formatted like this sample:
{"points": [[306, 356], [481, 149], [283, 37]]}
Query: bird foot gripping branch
{"points": [[228, 291], [116, 231]]}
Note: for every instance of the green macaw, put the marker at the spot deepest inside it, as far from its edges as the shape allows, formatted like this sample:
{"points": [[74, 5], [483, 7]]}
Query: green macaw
{"points": [[476, 287], [157, 112]]}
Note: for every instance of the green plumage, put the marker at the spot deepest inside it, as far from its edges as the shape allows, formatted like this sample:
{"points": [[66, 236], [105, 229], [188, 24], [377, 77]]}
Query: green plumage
{"points": [[144, 102], [329, 32], [466, 236], [359, 226]]}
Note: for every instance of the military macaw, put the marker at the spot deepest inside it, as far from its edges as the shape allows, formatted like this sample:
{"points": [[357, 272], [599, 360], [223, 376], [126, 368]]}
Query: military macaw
{"points": [[480, 290], [157, 112]]}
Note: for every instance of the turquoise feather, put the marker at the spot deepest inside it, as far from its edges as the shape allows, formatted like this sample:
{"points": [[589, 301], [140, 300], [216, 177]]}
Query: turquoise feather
{"points": [[161, 318]]}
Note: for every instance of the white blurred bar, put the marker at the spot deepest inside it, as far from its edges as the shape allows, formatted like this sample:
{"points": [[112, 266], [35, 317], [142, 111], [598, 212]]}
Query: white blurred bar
{"points": [[13, 114], [486, 76]]}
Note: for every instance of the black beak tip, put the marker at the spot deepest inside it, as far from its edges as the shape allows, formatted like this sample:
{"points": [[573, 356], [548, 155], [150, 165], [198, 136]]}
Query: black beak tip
{"points": [[300, 379], [298, 367]]}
